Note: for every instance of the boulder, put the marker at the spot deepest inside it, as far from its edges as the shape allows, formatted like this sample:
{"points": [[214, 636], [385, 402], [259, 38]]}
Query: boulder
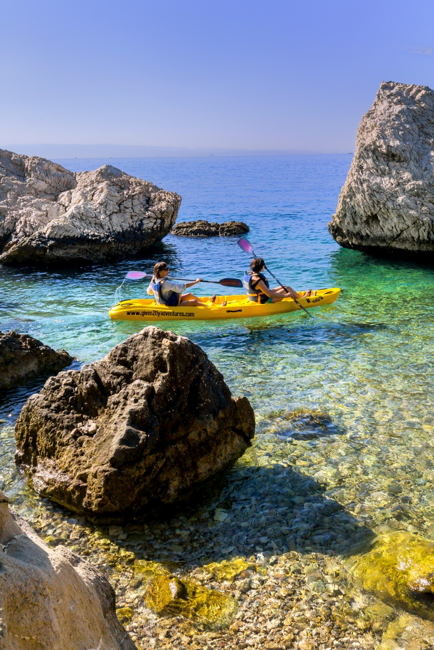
{"points": [[399, 568], [141, 427], [49, 597], [202, 228], [49, 215], [22, 358], [387, 202]]}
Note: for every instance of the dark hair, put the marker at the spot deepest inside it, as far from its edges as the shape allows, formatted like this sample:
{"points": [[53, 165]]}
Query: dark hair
{"points": [[158, 267], [257, 264]]}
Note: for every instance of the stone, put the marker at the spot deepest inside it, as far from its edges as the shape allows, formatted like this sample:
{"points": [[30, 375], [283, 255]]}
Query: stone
{"points": [[50, 215], [22, 358], [169, 595], [144, 426], [302, 424], [399, 568], [229, 569], [387, 202], [202, 228], [51, 598]]}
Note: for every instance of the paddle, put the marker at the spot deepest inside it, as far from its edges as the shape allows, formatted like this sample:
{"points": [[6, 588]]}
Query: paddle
{"points": [[226, 282], [246, 246]]}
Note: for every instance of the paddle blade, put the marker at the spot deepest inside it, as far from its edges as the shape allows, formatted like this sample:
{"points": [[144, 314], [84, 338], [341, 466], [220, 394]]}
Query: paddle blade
{"points": [[245, 245], [135, 275], [231, 282]]}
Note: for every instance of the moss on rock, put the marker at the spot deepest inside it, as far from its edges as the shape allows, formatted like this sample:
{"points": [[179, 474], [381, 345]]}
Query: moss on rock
{"points": [[400, 568], [169, 595], [228, 569], [124, 614]]}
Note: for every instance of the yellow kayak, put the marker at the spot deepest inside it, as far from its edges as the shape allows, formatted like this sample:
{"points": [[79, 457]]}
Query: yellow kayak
{"points": [[222, 307]]}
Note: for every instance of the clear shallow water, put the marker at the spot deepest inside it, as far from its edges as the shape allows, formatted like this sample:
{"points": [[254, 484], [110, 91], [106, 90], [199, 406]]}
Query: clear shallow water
{"points": [[366, 361]]}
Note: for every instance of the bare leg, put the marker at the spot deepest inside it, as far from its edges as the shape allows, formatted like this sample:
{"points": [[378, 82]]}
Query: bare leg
{"points": [[285, 294], [190, 300]]}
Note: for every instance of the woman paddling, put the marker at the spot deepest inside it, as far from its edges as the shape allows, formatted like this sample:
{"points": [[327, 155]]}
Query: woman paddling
{"points": [[167, 292], [258, 288]]}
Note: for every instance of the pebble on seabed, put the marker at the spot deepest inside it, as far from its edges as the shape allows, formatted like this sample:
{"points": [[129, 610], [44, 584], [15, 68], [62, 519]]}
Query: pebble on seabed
{"points": [[285, 515]]}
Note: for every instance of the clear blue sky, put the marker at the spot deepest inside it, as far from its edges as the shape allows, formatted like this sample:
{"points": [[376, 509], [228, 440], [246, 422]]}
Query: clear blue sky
{"points": [[231, 74]]}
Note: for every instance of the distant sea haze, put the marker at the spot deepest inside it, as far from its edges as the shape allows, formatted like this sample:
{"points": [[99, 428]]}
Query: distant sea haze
{"points": [[143, 151]]}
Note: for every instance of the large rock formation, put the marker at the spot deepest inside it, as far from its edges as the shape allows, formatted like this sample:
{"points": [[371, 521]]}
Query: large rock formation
{"points": [[142, 426], [22, 358], [49, 215], [50, 598], [387, 202]]}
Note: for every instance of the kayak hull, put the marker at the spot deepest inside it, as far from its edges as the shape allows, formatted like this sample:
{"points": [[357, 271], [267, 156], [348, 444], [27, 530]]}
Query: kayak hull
{"points": [[224, 307]]}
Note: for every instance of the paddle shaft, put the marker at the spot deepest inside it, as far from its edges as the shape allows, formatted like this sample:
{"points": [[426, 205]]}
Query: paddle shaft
{"points": [[226, 282], [273, 276], [286, 289]]}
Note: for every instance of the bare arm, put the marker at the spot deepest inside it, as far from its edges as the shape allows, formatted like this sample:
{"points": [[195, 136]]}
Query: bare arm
{"points": [[191, 284], [263, 287], [272, 293]]}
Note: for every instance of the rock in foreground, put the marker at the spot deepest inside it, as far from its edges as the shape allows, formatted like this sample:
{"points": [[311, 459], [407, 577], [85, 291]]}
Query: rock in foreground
{"points": [[202, 228], [141, 427], [55, 216], [23, 357], [51, 598], [387, 202]]}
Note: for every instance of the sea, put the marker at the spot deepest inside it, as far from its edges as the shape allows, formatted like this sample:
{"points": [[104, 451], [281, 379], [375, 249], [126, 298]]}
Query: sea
{"points": [[365, 363]]}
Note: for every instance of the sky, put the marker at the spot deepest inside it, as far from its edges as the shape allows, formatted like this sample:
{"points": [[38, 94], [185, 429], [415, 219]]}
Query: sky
{"points": [[235, 75]]}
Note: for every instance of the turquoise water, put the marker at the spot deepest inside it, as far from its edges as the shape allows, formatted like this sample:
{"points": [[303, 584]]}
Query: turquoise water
{"points": [[366, 361]]}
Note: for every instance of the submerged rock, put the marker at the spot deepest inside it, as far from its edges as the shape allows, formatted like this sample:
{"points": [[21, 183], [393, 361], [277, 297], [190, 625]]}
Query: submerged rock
{"points": [[169, 595], [387, 202], [22, 358], [51, 598], [400, 569], [54, 216], [229, 569], [202, 228], [143, 426], [302, 424]]}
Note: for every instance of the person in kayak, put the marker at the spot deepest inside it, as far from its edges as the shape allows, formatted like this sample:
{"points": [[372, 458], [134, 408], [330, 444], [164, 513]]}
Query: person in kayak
{"points": [[170, 293], [258, 287]]}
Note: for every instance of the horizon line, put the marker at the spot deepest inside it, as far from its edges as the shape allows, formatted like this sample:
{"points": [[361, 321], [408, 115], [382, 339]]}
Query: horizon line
{"points": [[152, 150]]}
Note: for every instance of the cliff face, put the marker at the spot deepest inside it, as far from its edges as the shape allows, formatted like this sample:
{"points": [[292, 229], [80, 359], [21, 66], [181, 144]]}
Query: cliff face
{"points": [[49, 215], [387, 202]]}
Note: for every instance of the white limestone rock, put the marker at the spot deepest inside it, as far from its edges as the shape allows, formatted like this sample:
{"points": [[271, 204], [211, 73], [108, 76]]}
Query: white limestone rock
{"points": [[50, 598], [49, 215], [387, 202]]}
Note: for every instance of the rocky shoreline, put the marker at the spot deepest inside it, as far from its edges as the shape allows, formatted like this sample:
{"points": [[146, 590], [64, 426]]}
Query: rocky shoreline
{"points": [[282, 544], [291, 589], [264, 556]]}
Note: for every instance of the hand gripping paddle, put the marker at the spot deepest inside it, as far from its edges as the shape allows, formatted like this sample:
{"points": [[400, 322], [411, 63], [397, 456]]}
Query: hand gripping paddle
{"points": [[247, 247]]}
